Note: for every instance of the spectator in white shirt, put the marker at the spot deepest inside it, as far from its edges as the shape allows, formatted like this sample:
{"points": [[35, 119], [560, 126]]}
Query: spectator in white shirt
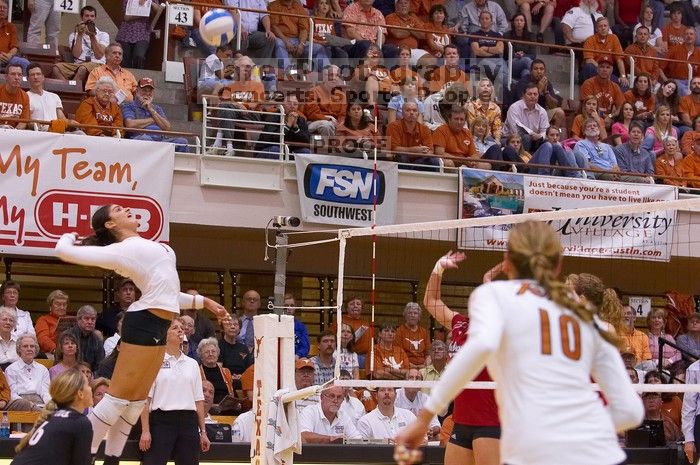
{"points": [[242, 428], [28, 379], [211, 72], [413, 399], [324, 423], [8, 341], [44, 105], [10, 296], [385, 421], [527, 119], [87, 45]]}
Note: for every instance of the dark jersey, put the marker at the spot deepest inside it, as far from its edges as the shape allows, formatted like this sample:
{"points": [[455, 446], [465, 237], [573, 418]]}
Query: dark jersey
{"points": [[63, 439]]}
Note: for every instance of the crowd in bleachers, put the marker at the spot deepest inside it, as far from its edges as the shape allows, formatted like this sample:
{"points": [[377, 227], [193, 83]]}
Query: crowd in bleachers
{"points": [[371, 58], [404, 349]]}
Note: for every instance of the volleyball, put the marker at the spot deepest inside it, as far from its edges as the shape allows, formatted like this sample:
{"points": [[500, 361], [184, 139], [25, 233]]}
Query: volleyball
{"points": [[217, 27]]}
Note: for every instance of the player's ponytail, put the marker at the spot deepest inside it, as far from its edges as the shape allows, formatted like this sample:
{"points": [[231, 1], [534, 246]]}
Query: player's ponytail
{"points": [[535, 252], [63, 389], [102, 236]]}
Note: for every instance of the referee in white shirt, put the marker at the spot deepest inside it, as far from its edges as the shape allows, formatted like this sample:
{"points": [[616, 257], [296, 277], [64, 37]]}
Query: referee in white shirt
{"points": [[173, 419]]}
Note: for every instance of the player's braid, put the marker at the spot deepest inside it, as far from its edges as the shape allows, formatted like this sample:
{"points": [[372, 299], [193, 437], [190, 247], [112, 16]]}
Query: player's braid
{"points": [[535, 252], [45, 414]]}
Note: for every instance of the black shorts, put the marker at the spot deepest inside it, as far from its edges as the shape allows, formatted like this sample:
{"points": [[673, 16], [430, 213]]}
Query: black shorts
{"points": [[464, 435], [143, 328]]}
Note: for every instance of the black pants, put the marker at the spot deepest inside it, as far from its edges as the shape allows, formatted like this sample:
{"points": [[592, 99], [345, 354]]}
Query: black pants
{"points": [[174, 434]]}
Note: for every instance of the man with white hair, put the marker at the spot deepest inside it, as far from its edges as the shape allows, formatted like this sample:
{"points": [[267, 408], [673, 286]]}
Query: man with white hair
{"points": [[324, 423], [125, 81], [578, 24], [28, 380], [412, 337], [100, 109]]}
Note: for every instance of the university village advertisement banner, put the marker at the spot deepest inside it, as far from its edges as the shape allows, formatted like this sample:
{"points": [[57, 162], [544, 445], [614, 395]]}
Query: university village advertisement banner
{"points": [[51, 184], [645, 236]]}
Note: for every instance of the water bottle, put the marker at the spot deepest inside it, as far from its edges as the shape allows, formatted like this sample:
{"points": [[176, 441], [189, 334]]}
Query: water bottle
{"points": [[4, 426]]}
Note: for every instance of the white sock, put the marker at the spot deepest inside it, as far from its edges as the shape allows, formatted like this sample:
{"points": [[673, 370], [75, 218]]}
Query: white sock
{"points": [[103, 416]]}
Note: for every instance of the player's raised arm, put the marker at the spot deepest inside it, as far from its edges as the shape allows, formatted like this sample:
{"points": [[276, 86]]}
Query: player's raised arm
{"points": [[432, 300]]}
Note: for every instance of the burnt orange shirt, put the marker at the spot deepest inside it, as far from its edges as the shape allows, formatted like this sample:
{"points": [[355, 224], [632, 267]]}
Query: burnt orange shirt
{"points": [[679, 70], [125, 81], [673, 35], [392, 358], [400, 136], [4, 388], [421, 8], [667, 167], [416, 343], [320, 103], [690, 167], [91, 112], [362, 344], [399, 74], [380, 73], [321, 28], [608, 93], [443, 75], [440, 36], [410, 21], [687, 142], [689, 106], [641, 104], [288, 25], [460, 144], [644, 65], [609, 45], [250, 93], [13, 105], [8, 37]]}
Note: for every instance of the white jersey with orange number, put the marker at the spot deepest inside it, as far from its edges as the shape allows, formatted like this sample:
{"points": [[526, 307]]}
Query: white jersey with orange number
{"points": [[542, 358]]}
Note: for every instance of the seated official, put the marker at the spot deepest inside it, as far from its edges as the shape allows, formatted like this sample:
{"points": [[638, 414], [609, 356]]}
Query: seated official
{"points": [[324, 423], [385, 421]]}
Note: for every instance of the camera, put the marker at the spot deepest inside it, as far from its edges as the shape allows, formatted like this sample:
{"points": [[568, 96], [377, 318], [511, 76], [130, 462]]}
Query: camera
{"points": [[292, 221], [90, 25]]}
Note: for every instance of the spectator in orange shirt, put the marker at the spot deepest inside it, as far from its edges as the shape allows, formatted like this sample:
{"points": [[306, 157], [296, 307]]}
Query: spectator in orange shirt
{"points": [[412, 139], [455, 140], [414, 338], [46, 324], [589, 109], [689, 107], [686, 142], [14, 102], [292, 33], [352, 315], [440, 37], [673, 32], [373, 77], [397, 37], [8, 41], [668, 162], [245, 94], [449, 72], [610, 96], [684, 55], [641, 98], [390, 360], [641, 48], [326, 103], [605, 43], [100, 109], [690, 166], [122, 78]]}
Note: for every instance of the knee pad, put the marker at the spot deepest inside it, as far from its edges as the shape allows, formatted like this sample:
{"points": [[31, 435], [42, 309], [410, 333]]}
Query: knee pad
{"points": [[110, 409], [132, 412]]}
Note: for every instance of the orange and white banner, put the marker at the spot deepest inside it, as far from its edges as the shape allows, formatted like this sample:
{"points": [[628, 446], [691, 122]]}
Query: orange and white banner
{"points": [[51, 184]]}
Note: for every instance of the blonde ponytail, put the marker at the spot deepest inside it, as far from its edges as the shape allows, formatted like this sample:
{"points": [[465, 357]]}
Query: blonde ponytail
{"points": [[535, 252]]}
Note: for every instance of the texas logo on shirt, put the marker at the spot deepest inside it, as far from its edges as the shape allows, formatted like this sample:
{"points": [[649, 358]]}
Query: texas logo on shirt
{"points": [[11, 109]]}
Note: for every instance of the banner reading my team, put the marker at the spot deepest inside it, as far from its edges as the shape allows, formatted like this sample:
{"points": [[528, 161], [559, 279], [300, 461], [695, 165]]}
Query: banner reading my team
{"points": [[641, 236], [340, 191], [51, 184]]}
